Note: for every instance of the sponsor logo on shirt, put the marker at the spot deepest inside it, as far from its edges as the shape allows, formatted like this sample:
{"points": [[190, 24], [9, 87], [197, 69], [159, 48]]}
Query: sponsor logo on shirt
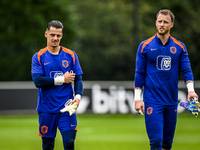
{"points": [[47, 63], [163, 62], [54, 74], [153, 49]]}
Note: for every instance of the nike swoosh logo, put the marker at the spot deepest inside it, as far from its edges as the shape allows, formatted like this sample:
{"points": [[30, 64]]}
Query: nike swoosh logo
{"points": [[46, 63], [72, 125], [153, 49]]}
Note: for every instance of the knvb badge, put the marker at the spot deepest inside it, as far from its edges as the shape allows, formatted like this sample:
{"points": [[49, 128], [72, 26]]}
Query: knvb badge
{"points": [[54, 74]]}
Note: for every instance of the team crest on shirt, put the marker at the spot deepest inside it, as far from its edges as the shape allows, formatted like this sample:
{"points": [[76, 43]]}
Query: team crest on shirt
{"points": [[163, 62], [173, 50], [65, 63]]}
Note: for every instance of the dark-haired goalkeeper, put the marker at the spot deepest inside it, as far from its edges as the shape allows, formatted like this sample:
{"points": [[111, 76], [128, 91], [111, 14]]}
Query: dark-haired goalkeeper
{"points": [[54, 69]]}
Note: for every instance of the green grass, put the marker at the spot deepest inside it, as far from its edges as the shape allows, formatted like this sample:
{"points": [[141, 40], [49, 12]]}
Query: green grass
{"points": [[97, 132]]}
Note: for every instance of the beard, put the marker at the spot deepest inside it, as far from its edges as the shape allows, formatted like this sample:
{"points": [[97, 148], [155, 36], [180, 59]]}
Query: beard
{"points": [[162, 32]]}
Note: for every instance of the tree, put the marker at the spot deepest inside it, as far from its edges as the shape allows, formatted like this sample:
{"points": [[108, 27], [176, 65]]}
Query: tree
{"points": [[104, 38], [22, 33], [104, 33]]}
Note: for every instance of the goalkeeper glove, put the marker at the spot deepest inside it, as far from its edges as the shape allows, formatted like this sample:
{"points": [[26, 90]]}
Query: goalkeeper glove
{"points": [[193, 106], [71, 108]]}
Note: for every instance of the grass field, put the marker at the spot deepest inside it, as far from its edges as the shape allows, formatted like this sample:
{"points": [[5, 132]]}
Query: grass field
{"points": [[97, 132]]}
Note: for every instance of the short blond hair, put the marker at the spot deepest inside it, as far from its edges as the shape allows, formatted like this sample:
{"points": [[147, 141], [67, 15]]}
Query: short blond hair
{"points": [[166, 12]]}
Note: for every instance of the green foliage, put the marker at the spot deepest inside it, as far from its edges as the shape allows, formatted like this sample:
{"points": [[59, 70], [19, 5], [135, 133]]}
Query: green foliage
{"points": [[109, 32], [99, 132], [104, 38], [105, 34], [23, 23]]}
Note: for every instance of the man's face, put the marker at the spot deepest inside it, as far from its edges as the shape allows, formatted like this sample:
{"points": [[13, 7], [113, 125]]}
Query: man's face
{"points": [[163, 24], [54, 35]]}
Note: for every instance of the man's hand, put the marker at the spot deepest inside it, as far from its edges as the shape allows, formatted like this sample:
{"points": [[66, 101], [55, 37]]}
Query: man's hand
{"points": [[192, 94], [139, 107], [71, 108], [76, 100], [69, 77]]}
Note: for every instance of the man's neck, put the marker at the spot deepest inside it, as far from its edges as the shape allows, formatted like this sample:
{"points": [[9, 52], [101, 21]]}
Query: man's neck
{"points": [[164, 38], [53, 50]]}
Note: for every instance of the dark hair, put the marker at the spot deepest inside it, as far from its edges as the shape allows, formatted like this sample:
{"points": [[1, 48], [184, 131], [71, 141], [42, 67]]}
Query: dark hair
{"points": [[166, 12], [55, 23]]}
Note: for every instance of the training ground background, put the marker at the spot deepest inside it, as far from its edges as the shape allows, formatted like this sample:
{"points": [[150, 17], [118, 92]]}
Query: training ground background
{"points": [[99, 97], [106, 119]]}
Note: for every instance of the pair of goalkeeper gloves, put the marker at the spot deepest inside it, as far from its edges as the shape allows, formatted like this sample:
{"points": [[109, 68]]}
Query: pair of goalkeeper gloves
{"points": [[71, 108], [193, 106]]}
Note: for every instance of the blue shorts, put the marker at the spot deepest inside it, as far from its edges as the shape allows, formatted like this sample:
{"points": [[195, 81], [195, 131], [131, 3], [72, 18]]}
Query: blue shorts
{"points": [[49, 122], [160, 123]]}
